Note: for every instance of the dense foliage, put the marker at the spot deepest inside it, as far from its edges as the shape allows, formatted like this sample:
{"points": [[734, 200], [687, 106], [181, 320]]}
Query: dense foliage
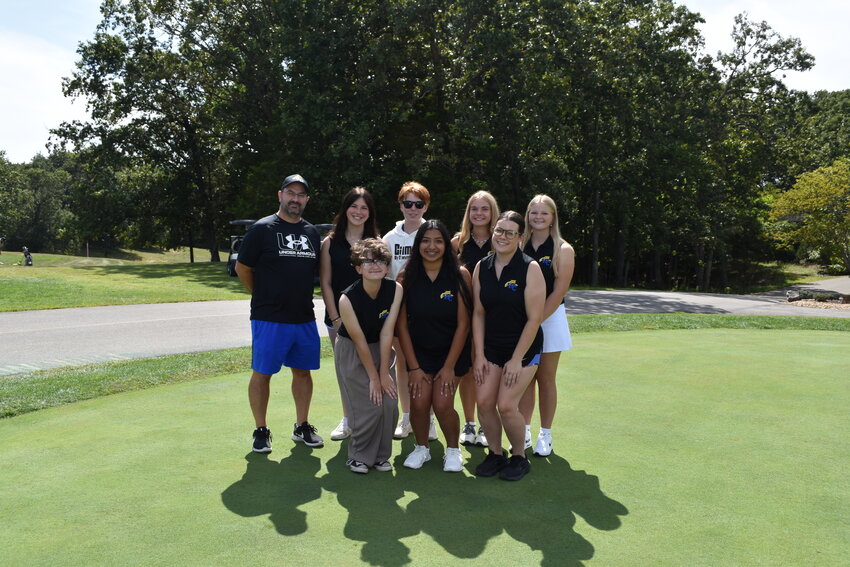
{"points": [[658, 155]]}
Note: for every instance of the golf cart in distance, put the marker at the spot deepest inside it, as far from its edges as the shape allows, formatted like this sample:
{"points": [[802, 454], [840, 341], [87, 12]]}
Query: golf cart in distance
{"points": [[235, 242]]}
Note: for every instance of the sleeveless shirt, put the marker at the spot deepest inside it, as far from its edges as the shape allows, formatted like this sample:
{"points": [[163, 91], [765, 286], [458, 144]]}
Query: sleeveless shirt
{"points": [[503, 300], [371, 313], [432, 312], [471, 253], [343, 273], [543, 256]]}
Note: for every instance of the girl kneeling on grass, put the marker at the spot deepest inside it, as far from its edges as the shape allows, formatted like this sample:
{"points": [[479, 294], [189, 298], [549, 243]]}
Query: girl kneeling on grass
{"points": [[363, 357]]}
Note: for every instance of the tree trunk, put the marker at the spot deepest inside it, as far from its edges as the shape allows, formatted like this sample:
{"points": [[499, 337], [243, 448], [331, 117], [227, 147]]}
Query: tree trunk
{"points": [[594, 268], [708, 264]]}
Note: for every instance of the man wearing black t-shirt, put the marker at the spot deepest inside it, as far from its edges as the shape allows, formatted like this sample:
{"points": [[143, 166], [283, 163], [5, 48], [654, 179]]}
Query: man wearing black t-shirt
{"points": [[277, 262]]}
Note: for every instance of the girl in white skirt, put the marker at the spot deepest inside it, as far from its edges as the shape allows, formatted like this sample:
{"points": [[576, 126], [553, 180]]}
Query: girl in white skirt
{"points": [[543, 242]]}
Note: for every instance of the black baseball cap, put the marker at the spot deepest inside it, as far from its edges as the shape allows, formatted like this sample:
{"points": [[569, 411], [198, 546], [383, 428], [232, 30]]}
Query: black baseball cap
{"points": [[294, 179]]}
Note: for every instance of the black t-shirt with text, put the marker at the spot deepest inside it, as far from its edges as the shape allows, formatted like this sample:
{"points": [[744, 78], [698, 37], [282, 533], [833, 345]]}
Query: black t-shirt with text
{"points": [[285, 259]]}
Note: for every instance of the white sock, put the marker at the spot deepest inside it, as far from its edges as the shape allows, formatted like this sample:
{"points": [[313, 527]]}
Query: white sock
{"points": [[405, 416], [472, 423], [345, 421], [545, 432], [527, 430]]}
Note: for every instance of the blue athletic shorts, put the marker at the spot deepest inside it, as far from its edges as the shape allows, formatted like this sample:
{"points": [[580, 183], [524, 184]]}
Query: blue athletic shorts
{"points": [[294, 345]]}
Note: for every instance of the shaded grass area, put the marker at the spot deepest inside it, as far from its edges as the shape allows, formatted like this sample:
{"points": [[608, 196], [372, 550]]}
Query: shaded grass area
{"points": [[703, 447], [767, 276], [28, 392]]}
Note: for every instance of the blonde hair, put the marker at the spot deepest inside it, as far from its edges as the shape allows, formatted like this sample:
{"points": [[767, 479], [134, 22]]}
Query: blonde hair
{"points": [[466, 225], [554, 230]]}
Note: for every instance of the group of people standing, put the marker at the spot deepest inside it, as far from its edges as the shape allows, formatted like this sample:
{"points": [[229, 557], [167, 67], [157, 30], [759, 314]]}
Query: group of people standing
{"points": [[413, 318]]}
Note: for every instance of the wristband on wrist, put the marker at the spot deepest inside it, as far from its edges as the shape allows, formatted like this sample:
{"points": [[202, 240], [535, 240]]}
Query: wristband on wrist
{"points": [[337, 319], [413, 369]]}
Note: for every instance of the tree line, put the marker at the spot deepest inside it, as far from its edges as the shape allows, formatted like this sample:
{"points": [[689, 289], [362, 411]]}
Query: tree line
{"points": [[664, 161]]}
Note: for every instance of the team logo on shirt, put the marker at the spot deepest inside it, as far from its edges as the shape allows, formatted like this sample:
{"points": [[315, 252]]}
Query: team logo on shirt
{"points": [[545, 261], [447, 296], [511, 285], [295, 245], [384, 314]]}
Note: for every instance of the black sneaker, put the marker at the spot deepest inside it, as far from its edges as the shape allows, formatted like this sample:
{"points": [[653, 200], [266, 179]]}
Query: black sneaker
{"points": [[262, 440], [518, 466], [491, 465], [306, 434], [357, 466]]}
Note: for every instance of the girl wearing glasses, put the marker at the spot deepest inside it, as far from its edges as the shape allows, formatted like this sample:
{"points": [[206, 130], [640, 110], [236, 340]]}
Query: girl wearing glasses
{"points": [[413, 200], [543, 242], [472, 244], [356, 220], [433, 329], [509, 292], [363, 357]]}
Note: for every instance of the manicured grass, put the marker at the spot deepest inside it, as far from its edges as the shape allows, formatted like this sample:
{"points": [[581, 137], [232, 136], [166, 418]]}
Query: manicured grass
{"points": [[672, 447], [50, 287], [23, 393]]}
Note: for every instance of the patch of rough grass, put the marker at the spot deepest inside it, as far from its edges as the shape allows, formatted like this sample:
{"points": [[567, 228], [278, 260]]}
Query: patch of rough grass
{"points": [[33, 391]]}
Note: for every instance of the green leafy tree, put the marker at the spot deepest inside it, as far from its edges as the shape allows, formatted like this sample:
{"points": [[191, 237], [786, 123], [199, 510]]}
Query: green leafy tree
{"points": [[816, 212]]}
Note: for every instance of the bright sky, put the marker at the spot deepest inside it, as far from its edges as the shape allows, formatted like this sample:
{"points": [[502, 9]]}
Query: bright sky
{"points": [[38, 42]]}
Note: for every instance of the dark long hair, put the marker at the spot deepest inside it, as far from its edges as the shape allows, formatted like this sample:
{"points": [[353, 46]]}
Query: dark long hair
{"points": [[415, 268], [370, 227]]}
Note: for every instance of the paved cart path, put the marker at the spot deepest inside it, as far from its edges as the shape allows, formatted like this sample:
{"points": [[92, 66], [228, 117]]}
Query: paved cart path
{"points": [[34, 340]]}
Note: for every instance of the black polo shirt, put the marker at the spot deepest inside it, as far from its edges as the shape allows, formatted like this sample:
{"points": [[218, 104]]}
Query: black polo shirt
{"points": [[371, 313], [503, 300]]}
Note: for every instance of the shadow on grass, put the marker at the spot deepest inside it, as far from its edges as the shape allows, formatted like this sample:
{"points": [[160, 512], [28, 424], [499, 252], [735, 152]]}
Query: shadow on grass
{"points": [[209, 274], [460, 513], [266, 489]]}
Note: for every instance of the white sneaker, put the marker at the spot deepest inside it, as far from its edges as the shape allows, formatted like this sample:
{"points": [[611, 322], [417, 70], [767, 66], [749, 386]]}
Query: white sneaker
{"points": [[418, 457], [452, 460], [481, 439], [467, 434], [528, 439], [341, 431], [403, 429], [384, 466], [432, 430], [543, 447]]}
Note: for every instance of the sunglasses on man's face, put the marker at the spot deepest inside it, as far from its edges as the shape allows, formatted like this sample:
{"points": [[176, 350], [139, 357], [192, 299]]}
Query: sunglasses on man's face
{"points": [[417, 204]]}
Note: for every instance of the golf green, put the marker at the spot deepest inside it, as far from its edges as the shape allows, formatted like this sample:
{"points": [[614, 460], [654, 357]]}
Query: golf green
{"points": [[706, 447]]}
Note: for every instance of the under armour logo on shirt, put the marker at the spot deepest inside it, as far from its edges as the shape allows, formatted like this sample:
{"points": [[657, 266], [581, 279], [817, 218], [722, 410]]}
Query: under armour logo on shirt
{"points": [[300, 244]]}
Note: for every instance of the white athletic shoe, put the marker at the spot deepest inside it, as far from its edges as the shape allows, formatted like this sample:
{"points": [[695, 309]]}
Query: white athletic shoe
{"points": [[543, 447], [342, 431], [403, 429], [432, 430], [452, 460], [418, 457], [467, 434], [481, 439]]}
